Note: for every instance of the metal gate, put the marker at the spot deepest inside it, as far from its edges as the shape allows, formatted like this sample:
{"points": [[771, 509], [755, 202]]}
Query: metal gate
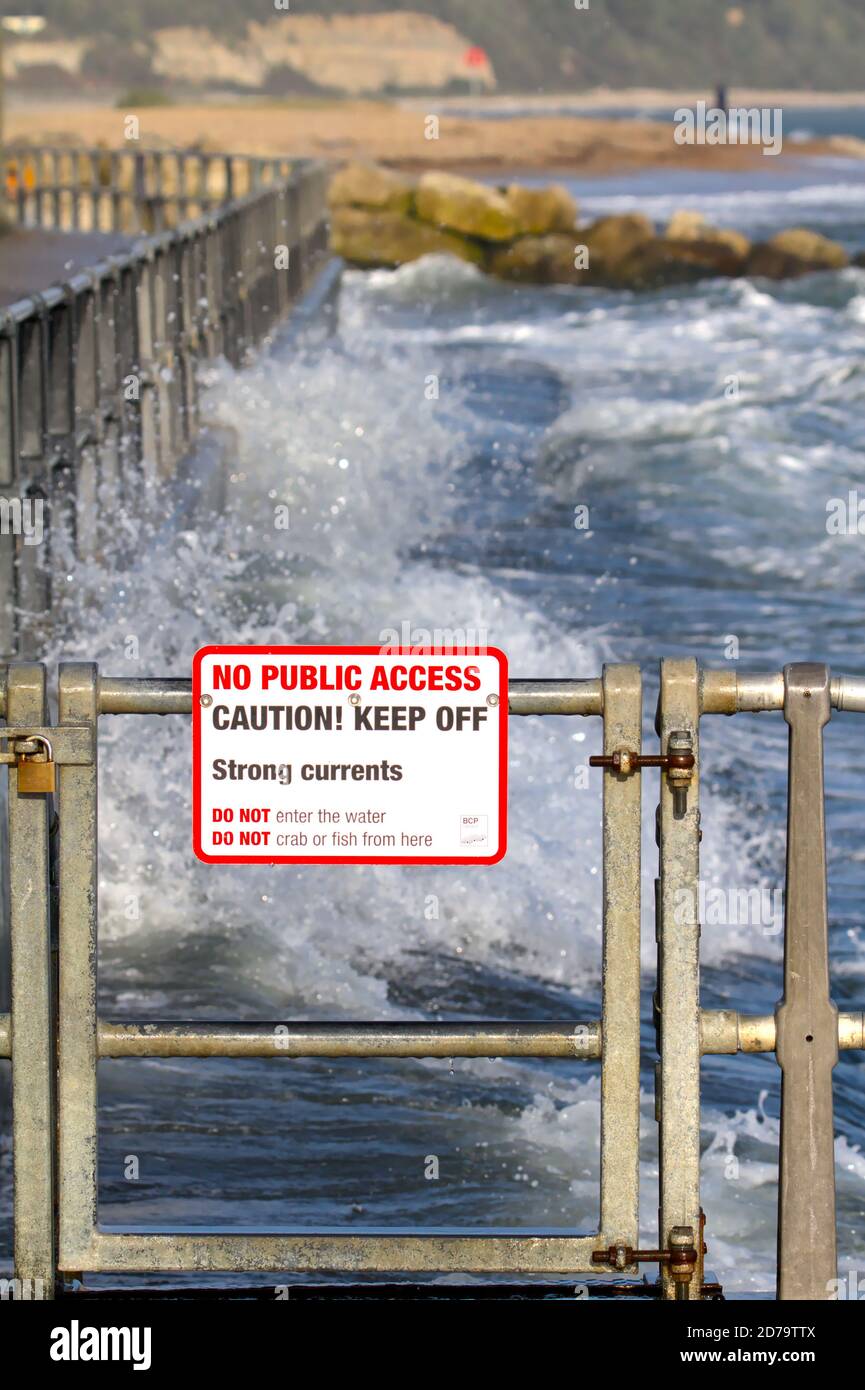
{"points": [[56, 1039]]}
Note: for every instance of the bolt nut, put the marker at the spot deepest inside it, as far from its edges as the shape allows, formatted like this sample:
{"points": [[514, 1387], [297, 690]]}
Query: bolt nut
{"points": [[625, 764], [680, 743], [683, 1256]]}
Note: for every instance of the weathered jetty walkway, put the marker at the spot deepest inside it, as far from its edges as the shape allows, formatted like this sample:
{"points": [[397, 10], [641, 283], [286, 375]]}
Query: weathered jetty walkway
{"points": [[32, 258]]}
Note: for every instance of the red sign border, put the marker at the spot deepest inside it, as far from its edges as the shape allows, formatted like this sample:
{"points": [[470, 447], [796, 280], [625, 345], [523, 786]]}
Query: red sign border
{"points": [[338, 859]]}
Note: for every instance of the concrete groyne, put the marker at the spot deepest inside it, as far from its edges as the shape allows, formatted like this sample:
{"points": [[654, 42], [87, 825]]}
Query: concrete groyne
{"points": [[535, 235]]}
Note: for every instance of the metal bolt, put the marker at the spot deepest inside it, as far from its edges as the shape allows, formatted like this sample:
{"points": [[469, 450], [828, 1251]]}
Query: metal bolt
{"points": [[492, 699], [354, 699], [206, 701], [679, 778], [683, 1259]]}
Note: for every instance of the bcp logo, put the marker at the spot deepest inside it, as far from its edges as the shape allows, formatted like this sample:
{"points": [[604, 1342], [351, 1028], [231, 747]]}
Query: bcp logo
{"points": [[474, 830]]}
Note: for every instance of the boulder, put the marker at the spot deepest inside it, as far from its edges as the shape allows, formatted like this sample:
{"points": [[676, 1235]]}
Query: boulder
{"points": [[664, 261], [736, 242], [370, 186], [859, 260], [370, 238], [692, 226], [538, 211], [650, 264], [686, 225], [795, 252], [462, 205], [609, 241], [539, 260], [811, 247]]}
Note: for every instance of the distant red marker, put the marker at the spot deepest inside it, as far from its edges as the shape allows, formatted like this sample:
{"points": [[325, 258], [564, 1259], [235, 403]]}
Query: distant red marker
{"points": [[475, 57]]}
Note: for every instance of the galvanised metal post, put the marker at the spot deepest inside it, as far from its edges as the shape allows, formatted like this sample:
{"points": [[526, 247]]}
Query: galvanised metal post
{"points": [[88, 426], [620, 1068], [77, 1090], [679, 973], [8, 477], [32, 1013], [806, 1018], [147, 370]]}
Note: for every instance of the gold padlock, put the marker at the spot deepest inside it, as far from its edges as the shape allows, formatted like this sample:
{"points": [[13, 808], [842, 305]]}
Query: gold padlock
{"points": [[38, 777]]}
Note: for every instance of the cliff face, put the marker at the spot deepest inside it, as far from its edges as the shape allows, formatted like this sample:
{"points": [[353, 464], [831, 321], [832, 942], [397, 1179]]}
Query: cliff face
{"points": [[543, 45], [551, 45], [348, 53], [356, 54]]}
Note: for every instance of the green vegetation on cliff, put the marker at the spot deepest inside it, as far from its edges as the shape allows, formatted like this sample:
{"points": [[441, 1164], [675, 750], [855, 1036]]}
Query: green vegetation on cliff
{"points": [[551, 45]]}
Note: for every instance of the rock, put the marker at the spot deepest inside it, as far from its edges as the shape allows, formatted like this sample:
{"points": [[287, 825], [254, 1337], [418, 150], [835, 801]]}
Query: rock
{"points": [[663, 261], [811, 247], [692, 226], [650, 264], [539, 260], [736, 242], [541, 210], [859, 260], [370, 238], [686, 225], [714, 255], [795, 252], [370, 186], [609, 241], [461, 205], [851, 146]]}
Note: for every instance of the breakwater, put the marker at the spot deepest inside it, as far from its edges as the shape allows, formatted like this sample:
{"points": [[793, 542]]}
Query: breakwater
{"points": [[536, 236]]}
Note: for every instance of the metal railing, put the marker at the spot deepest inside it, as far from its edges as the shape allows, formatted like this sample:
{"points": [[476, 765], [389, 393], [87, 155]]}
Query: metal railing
{"points": [[55, 1031], [99, 376], [129, 190]]}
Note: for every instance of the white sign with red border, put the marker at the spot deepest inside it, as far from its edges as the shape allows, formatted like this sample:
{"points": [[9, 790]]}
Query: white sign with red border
{"points": [[349, 755]]}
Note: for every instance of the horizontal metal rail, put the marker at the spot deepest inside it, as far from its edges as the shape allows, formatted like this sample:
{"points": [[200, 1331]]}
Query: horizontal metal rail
{"points": [[725, 1031], [490, 1251], [127, 695], [161, 1039], [100, 189], [130, 695], [556, 697], [731, 692], [722, 1031], [723, 693]]}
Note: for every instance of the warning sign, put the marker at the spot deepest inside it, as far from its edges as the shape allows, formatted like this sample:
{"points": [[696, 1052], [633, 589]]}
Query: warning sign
{"points": [[349, 755]]}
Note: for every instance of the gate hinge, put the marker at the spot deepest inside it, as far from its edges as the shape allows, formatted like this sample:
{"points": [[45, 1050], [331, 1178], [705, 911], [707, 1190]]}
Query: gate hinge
{"points": [[680, 1258], [678, 763]]}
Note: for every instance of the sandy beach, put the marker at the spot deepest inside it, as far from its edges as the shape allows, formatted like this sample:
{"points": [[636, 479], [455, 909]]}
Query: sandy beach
{"points": [[646, 98], [400, 135]]}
